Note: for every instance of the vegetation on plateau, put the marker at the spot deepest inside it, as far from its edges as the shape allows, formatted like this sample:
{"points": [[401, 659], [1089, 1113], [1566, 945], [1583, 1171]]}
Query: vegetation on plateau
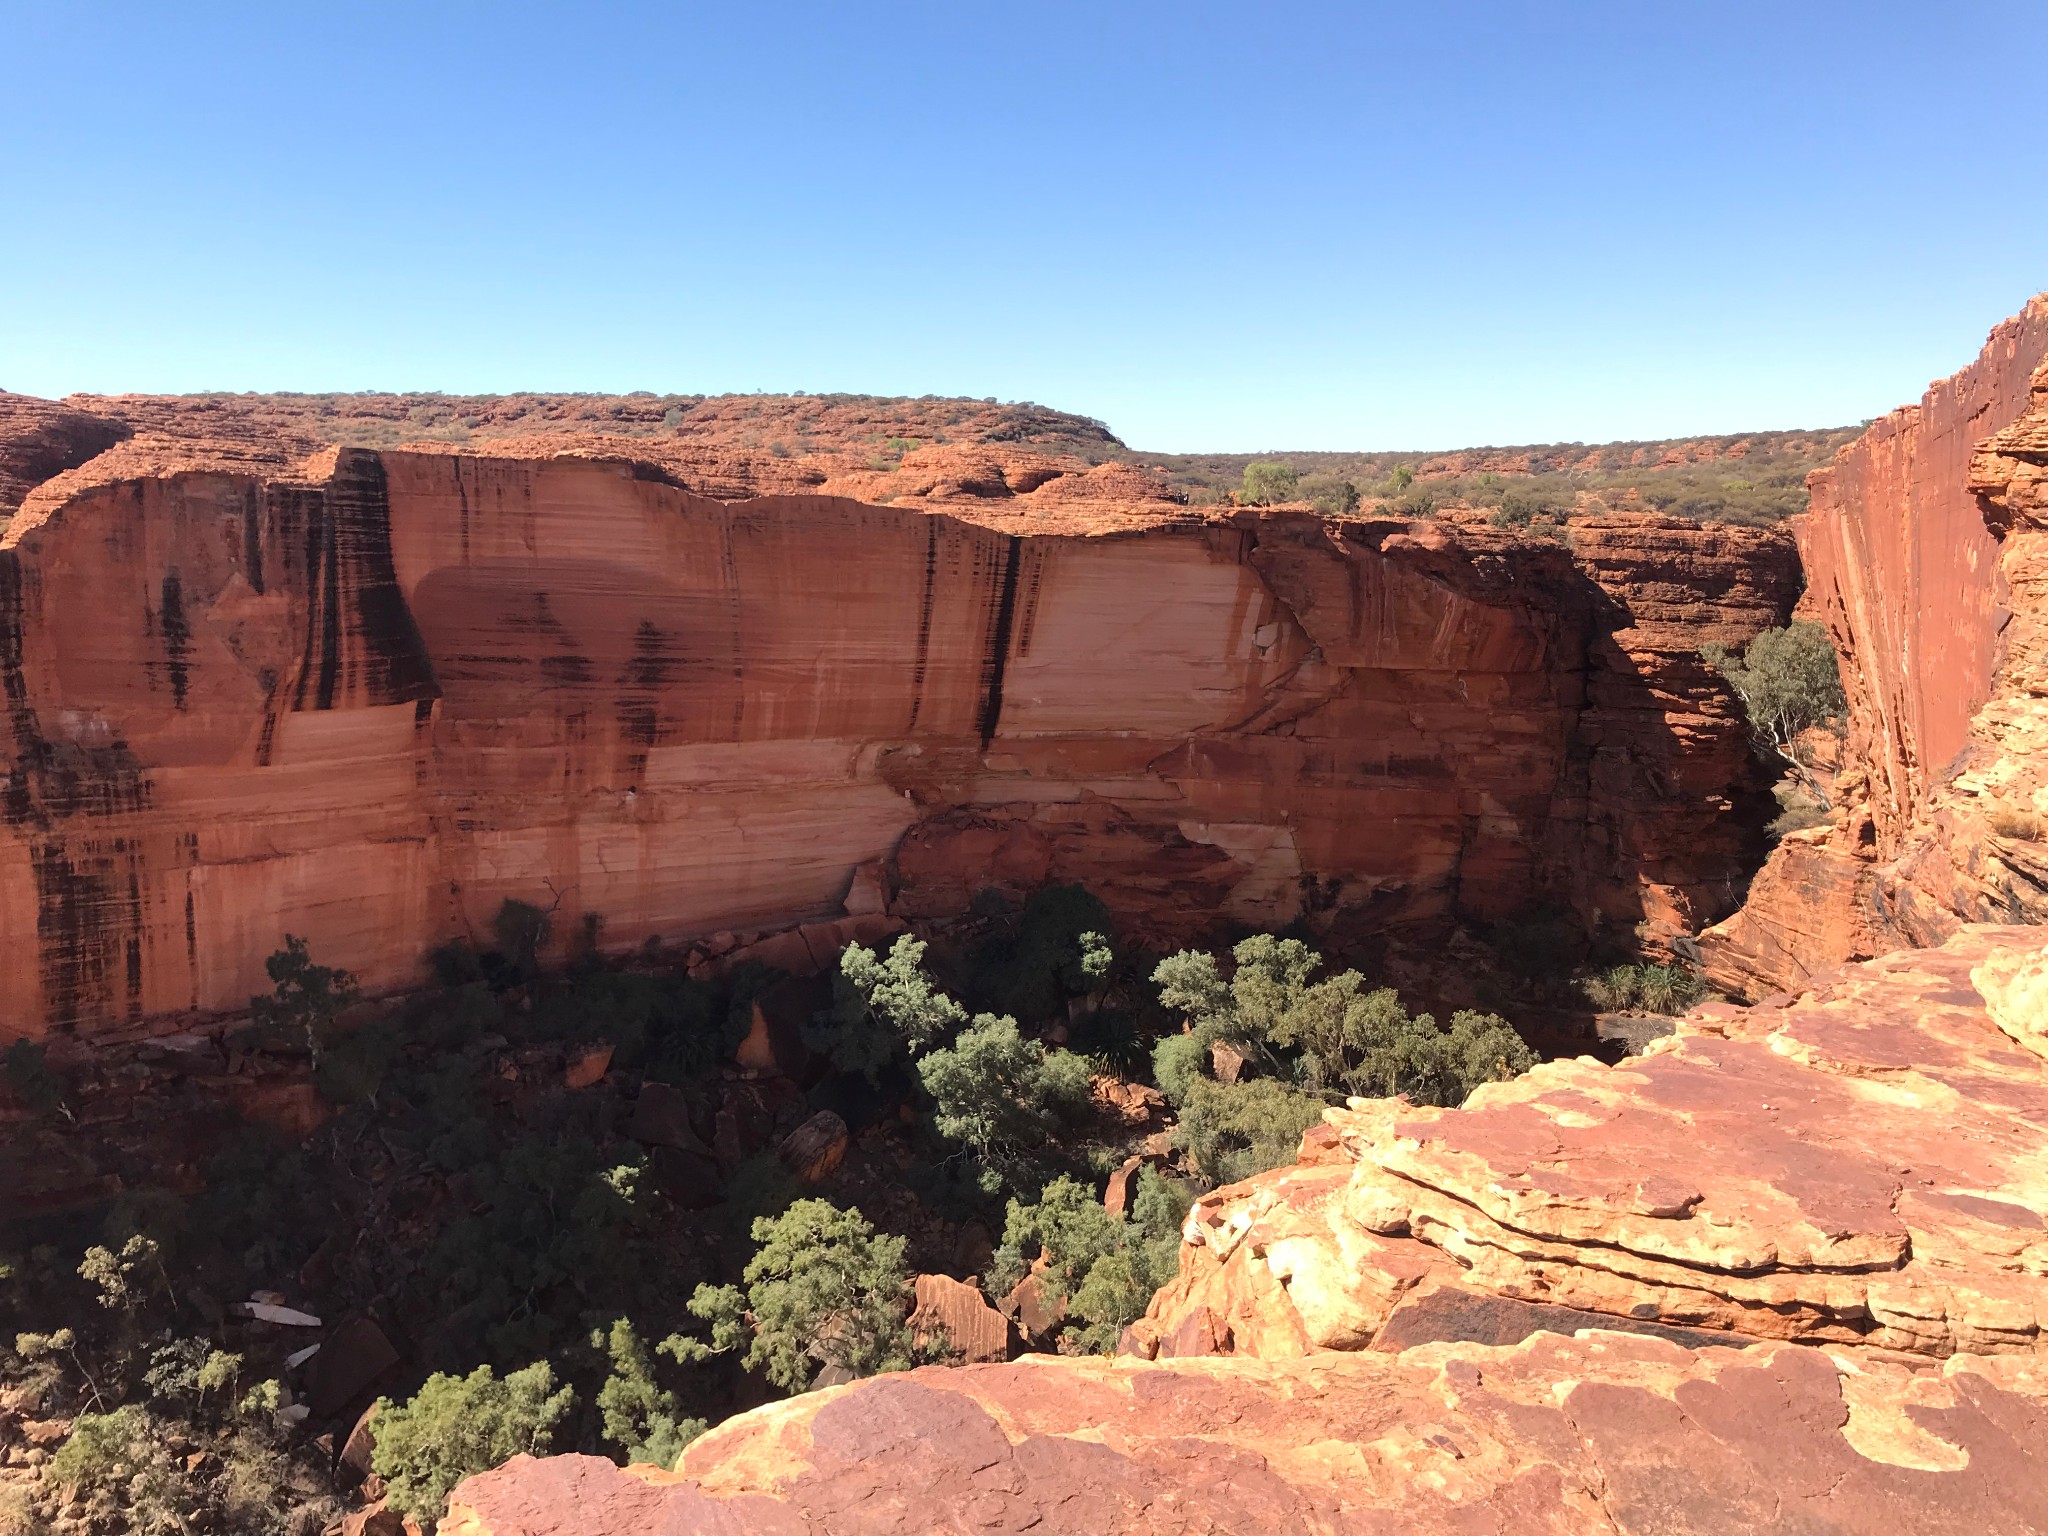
{"points": [[1755, 479]]}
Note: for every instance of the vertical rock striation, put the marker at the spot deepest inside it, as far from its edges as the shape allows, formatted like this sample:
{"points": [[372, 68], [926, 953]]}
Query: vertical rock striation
{"points": [[367, 695]]}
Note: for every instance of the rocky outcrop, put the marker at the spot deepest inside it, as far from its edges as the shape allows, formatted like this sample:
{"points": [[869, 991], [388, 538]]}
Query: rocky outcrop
{"points": [[1862, 1166], [1926, 553], [1595, 1434], [366, 696], [40, 440]]}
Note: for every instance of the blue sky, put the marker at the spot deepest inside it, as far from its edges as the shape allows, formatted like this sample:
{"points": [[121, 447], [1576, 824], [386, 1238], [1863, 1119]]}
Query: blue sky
{"points": [[1227, 227]]}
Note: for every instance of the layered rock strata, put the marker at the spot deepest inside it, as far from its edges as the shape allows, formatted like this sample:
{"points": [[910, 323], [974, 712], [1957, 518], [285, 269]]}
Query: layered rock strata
{"points": [[1926, 553], [1601, 1433], [366, 696], [1867, 1165]]}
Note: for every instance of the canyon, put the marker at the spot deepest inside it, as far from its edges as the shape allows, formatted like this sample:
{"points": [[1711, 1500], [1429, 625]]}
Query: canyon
{"points": [[1786, 1270], [258, 684]]}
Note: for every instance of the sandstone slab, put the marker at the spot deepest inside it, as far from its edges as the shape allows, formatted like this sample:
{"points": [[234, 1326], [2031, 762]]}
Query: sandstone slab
{"points": [[1599, 1433]]}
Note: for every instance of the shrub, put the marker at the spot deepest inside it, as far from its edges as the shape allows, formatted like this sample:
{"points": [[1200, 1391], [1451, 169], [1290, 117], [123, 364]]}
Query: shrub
{"points": [[2023, 826], [521, 930], [881, 1007], [1788, 681], [103, 1448], [1006, 1097], [1234, 1130], [1521, 506], [640, 1417], [457, 1426], [824, 1288], [1177, 1066], [28, 1074], [1331, 1036], [1058, 950], [1104, 1267], [548, 1220], [1668, 989], [1333, 495], [304, 998], [1267, 482]]}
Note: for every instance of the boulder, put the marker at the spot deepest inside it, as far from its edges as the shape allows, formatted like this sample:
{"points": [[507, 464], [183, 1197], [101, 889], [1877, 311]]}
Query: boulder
{"points": [[1123, 1183], [661, 1118], [374, 1521], [587, 1066], [956, 1313], [816, 1148], [1031, 1309], [352, 1360], [353, 1464]]}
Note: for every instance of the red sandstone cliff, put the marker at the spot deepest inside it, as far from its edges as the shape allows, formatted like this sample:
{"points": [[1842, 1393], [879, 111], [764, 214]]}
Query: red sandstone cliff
{"points": [[1926, 556], [365, 696]]}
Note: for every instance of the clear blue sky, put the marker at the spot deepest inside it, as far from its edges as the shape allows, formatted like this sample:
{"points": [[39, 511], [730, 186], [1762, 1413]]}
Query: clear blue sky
{"points": [[1221, 226]]}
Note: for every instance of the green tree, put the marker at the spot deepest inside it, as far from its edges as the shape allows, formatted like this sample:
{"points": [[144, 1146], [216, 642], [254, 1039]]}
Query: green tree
{"points": [[1234, 1130], [305, 998], [881, 1007], [640, 1417], [1177, 1066], [1105, 1268], [1332, 495], [127, 1279], [457, 1426], [1059, 950], [822, 1289], [1266, 483], [1789, 681], [1006, 1097], [1331, 1037], [547, 1220]]}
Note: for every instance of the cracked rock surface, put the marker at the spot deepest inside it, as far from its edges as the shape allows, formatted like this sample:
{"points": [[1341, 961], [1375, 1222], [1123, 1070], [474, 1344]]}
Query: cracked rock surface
{"points": [[1597, 1433]]}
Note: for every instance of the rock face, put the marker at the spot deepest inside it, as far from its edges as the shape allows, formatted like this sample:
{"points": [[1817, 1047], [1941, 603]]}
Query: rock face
{"points": [[1862, 1166], [366, 696], [1596, 1434], [40, 440], [1926, 553]]}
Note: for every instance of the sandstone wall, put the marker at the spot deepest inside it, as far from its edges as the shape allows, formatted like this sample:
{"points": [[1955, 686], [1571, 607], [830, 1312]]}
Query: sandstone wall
{"points": [[1931, 586], [367, 696]]}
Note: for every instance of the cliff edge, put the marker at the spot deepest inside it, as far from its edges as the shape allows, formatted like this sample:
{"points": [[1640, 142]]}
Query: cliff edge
{"points": [[1926, 555]]}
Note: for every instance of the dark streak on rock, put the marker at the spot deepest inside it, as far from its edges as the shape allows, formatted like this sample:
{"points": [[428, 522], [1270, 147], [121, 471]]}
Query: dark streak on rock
{"points": [[252, 541], [924, 619], [374, 655], [998, 656], [177, 634]]}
